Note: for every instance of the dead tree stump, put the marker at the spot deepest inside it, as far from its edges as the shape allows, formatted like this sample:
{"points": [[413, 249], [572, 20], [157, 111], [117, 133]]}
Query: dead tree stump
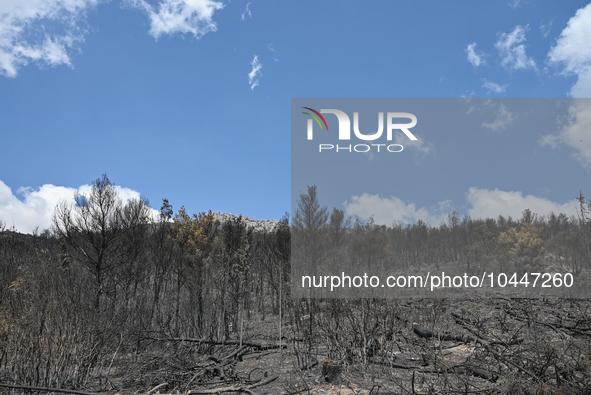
{"points": [[331, 371]]}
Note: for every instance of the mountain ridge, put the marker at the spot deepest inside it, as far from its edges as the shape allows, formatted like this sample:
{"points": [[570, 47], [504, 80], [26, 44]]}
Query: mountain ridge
{"points": [[262, 226]]}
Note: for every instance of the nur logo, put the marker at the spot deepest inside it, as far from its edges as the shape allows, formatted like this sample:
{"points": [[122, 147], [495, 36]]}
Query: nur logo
{"points": [[392, 119]]}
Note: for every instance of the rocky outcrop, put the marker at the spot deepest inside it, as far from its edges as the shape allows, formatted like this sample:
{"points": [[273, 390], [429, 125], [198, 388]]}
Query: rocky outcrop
{"points": [[263, 226]]}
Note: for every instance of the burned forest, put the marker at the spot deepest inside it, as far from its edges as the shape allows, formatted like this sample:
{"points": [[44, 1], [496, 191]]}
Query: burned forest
{"points": [[115, 300]]}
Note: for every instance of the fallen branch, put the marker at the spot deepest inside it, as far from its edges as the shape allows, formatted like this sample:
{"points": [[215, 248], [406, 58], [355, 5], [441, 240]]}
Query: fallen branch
{"points": [[47, 389], [264, 382], [426, 333], [246, 389], [476, 372], [257, 345], [219, 391], [393, 365], [155, 388], [237, 353], [464, 323]]}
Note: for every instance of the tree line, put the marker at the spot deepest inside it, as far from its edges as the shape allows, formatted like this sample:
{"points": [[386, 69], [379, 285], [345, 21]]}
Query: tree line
{"points": [[323, 240], [109, 281], [107, 277]]}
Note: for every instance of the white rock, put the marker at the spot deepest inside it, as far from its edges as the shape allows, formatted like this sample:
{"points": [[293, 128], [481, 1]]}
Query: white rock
{"points": [[263, 226]]}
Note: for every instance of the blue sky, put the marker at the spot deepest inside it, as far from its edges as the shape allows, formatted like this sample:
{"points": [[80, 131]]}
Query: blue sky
{"points": [[190, 99]]}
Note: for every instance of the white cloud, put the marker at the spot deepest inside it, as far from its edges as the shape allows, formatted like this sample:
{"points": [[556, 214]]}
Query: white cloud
{"points": [[512, 51], [35, 208], [255, 73], [386, 211], [484, 203], [467, 94], [576, 133], [246, 12], [550, 140], [514, 4], [490, 204], [180, 16], [546, 28], [420, 144], [42, 31], [573, 50], [503, 118], [476, 59], [493, 87]]}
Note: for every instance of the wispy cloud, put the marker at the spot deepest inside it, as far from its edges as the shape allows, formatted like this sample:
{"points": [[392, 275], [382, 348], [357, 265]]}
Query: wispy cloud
{"points": [[468, 94], [270, 47], [575, 133], [493, 87], [572, 49], [29, 209], [545, 28], [179, 16], [255, 73], [45, 32], [475, 58], [419, 145], [512, 50], [515, 3], [503, 118], [246, 12]]}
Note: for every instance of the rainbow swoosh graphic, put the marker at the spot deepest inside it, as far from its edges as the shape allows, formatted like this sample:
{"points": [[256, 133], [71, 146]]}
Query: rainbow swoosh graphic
{"points": [[317, 120]]}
